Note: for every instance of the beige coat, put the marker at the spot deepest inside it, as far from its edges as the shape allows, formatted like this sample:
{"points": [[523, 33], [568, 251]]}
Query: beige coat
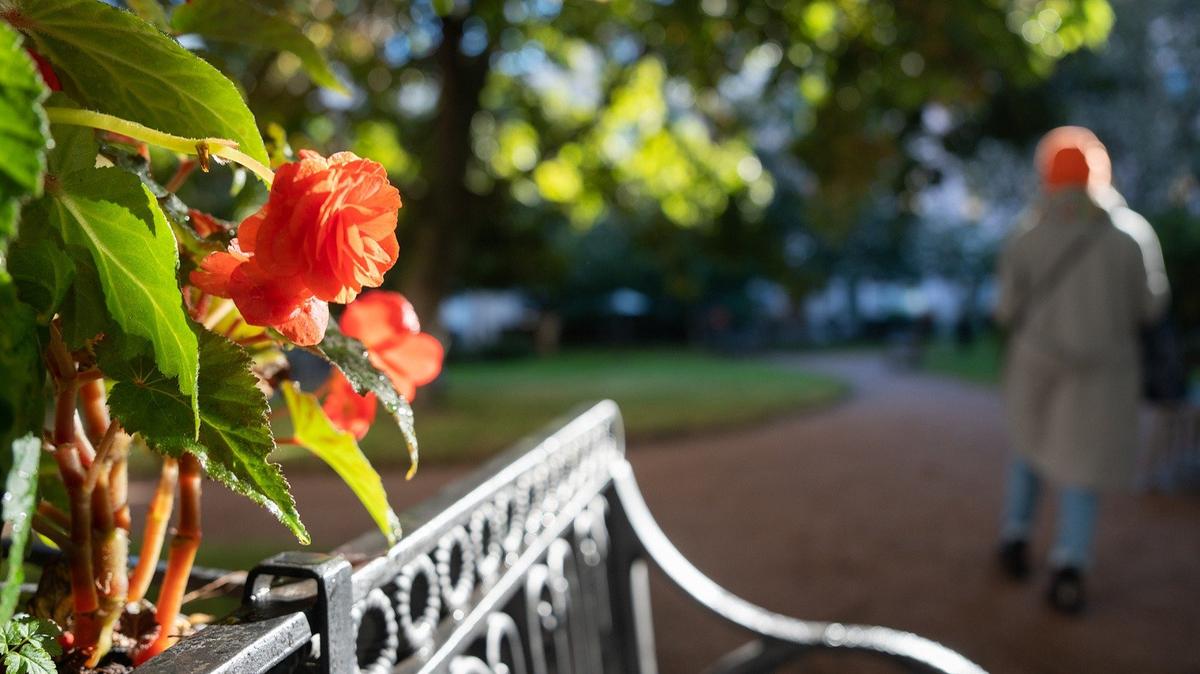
{"points": [[1072, 380]]}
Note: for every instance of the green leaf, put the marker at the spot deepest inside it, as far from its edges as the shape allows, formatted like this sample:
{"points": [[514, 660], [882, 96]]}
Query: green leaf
{"points": [[43, 273], [112, 215], [151, 12], [75, 147], [29, 645], [82, 310], [23, 130], [313, 430], [20, 492], [22, 374], [112, 61], [247, 23], [350, 357], [235, 435]]}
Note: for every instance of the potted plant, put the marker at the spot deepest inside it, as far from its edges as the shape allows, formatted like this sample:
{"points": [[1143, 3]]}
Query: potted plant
{"points": [[133, 323]]}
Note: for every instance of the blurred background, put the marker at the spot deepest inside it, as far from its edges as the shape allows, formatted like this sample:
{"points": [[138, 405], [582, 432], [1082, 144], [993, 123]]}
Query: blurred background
{"points": [[733, 177], [768, 229]]}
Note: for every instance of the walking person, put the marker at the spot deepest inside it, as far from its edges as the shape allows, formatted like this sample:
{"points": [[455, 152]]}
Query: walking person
{"points": [[1077, 280]]}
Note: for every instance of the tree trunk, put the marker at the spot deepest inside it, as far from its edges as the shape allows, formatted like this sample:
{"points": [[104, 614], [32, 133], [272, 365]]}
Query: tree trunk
{"points": [[444, 218]]}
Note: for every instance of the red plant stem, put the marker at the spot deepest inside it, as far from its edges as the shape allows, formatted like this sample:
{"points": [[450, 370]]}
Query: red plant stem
{"points": [[155, 530], [95, 414], [103, 460], [184, 170], [83, 589], [110, 560], [118, 480], [64, 413], [180, 558], [89, 374], [87, 453], [51, 512]]}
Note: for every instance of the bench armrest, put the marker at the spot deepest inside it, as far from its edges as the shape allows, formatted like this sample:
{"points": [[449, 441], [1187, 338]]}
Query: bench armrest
{"points": [[783, 636]]}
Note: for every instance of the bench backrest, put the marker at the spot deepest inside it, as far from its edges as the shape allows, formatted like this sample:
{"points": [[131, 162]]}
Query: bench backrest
{"points": [[537, 563]]}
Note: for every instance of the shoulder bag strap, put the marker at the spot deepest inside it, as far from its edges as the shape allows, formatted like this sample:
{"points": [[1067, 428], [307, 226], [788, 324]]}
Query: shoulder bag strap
{"points": [[1066, 261]]}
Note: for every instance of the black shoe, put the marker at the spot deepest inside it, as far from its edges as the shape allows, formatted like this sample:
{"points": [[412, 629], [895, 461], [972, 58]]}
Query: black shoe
{"points": [[1066, 591], [1014, 559]]}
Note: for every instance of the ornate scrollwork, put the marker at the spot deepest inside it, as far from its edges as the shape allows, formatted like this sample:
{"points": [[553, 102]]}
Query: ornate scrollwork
{"points": [[503, 647], [418, 601], [456, 570], [378, 633], [487, 539]]}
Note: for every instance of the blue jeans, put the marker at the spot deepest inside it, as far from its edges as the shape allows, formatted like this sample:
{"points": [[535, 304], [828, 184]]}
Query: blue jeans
{"points": [[1076, 516]]}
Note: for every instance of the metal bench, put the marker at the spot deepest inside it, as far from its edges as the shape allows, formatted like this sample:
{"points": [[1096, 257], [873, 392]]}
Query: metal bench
{"points": [[537, 563]]}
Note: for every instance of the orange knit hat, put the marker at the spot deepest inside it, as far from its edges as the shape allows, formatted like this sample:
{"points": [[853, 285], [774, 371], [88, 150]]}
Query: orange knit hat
{"points": [[1072, 156]]}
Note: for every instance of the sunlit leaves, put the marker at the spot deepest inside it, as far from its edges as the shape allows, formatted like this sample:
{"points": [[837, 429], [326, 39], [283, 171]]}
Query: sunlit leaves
{"points": [[23, 130], [349, 356], [114, 62], [235, 438], [109, 213], [312, 430], [247, 23], [28, 645]]}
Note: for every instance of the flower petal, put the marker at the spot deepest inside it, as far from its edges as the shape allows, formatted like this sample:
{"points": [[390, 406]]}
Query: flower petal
{"points": [[306, 326], [346, 409]]}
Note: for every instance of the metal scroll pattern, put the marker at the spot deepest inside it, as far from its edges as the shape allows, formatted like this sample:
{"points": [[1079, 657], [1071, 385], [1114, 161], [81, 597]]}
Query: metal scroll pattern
{"points": [[535, 556]]}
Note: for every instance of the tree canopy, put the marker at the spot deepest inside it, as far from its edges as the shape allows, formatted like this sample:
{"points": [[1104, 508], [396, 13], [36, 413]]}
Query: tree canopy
{"points": [[513, 128]]}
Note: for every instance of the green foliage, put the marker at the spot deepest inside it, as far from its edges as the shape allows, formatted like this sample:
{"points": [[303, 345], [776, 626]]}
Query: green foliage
{"points": [[23, 130], [114, 62], [21, 399], [109, 213], [312, 430], [42, 273], [247, 23], [20, 494], [75, 147], [28, 645], [235, 436], [151, 12], [350, 357]]}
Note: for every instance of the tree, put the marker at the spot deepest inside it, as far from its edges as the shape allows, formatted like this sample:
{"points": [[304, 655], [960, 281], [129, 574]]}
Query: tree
{"points": [[639, 112]]}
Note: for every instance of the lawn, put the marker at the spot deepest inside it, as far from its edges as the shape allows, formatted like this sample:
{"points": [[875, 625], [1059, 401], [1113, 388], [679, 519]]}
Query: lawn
{"points": [[979, 362], [478, 408]]}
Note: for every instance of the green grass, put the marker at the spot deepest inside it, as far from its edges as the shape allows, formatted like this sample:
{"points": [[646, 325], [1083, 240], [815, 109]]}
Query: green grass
{"points": [[479, 408], [979, 362]]}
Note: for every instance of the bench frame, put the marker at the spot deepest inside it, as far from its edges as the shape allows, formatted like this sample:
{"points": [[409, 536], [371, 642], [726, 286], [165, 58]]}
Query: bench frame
{"points": [[537, 563]]}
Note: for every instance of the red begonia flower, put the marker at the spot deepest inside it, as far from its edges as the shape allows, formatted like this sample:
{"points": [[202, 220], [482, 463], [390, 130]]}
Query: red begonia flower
{"points": [[387, 325], [327, 230], [346, 409], [331, 223], [409, 361], [306, 325], [204, 224]]}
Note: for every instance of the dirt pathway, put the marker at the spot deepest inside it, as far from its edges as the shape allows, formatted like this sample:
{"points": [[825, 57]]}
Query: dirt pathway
{"points": [[881, 509], [884, 510]]}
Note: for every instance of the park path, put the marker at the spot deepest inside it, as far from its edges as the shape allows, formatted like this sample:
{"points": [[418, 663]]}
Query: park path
{"points": [[883, 510], [879, 509]]}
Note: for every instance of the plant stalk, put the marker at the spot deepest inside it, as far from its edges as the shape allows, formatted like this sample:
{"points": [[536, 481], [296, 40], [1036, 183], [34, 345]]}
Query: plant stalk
{"points": [[95, 413], [201, 147], [155, 530], [180, 557], [110, 558]]}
